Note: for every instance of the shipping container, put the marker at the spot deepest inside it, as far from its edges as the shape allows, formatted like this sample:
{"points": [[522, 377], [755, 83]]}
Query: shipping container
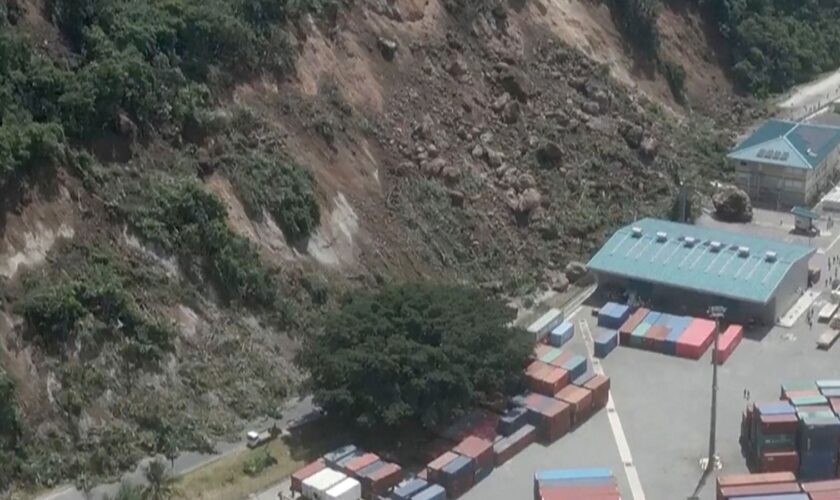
{"points": [[541, 350], [332, 457], [632, 322], [696, 339], [798, 385], [775, 408], [613, 315], [380, 480], [433, 492], [827, 384], [561, 334], [654, 340], [408, 488], [434, 468], [677, 324], [349, 489], [305, 472], [580, 400], [507, 447], [600, 387], [512, 421], [550, 355], [545, 323], [779, 461], [605, 341], [728, 342], [576, 366], [758, 489], [315, 486], [480, 450], [638, 333], [458, 476], [359, 463]]}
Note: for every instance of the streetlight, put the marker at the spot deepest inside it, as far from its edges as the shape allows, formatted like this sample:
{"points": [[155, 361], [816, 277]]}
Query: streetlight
{"points": [[717, 313]]}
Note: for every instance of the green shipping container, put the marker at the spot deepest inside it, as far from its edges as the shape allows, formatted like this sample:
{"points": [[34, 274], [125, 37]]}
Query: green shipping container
{"points": [[774, 442], [809, 401], [551, 355], [799, 385], [639, 334]]}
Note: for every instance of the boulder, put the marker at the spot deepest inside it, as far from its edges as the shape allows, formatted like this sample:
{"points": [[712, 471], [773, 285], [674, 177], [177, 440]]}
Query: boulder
{"points": [[576, 271], [434, 167], [516, 84], [732, 205], [633, 134], [649, 147], [500, 102], [529, 200], [511, 112], [387, 47], [494, 158], [591, 108], [525, 181], [549, 153]]}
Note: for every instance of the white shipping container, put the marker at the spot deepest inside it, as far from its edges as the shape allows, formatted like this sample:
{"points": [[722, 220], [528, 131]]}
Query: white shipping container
{"points": [[317, 484], [349, 489], [827, 312], [547, 322]]}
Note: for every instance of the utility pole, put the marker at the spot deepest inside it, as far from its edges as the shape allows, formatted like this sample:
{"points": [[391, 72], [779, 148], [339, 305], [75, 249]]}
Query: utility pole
{"points": [[717, 313]]}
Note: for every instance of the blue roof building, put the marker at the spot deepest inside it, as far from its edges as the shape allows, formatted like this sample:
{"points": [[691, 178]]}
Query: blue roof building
{"points": [[787, 162], [657, 259]]}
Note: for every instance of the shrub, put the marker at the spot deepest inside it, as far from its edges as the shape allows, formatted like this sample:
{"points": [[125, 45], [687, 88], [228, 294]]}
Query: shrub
{"points": [[258, 463], [283, 189], [637, 20], [25, 148], [675, 76]]}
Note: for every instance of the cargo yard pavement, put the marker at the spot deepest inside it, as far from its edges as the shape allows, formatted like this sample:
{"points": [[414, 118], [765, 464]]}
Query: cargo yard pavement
{"points": [[663, 404]]}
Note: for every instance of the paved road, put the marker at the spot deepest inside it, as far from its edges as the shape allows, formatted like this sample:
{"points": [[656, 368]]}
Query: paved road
{"points": [[293, 412], [811, 98]]}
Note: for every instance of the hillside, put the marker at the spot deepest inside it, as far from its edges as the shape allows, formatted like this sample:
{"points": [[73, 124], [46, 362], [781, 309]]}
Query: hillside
{"points": [[188, 185]]}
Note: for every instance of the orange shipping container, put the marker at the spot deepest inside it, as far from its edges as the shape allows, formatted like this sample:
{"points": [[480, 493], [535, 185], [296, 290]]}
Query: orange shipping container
{"points": [[580, 399], [600, 387]]}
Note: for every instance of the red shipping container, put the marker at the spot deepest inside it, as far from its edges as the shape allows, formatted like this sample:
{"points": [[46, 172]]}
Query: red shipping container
{"points": [[729, 340], [478, 449], [778, 424], [381, 480], [825, 495], [533, 375], [800, 394], [779, 461], [527, 437], [561, 359], [553, 380], [731, 480], [359, 463], [552, 419], [835, 405], [696, 338], [820, 486], [600, 387], [631, 324], [434, 467], [654, 340], [308, 470], [580, 399], [578, 492]]}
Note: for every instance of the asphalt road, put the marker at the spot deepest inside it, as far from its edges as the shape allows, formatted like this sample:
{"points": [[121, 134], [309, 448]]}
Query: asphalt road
{"points": [[293, 411]]}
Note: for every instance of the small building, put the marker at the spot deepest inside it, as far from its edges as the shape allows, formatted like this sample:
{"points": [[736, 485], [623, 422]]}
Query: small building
{"points": [[803, 220], [687, 269], [787, 163]]}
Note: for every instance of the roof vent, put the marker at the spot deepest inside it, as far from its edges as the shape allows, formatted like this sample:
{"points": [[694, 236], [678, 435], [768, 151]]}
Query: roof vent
{"points": [[743, 251], [716, 246], [690, 241], [770, 256], [661, 236], [637, 232]]}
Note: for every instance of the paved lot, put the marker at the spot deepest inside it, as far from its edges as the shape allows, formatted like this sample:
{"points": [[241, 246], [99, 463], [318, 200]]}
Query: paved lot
{"points": [[663, 402]]}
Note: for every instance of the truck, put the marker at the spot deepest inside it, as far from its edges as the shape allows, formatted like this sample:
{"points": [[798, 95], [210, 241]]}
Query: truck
{"points": [[259, 438]]}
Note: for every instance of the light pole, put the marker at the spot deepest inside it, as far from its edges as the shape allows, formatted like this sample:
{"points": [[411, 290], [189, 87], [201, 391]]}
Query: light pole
{"points": [[715, 312]]}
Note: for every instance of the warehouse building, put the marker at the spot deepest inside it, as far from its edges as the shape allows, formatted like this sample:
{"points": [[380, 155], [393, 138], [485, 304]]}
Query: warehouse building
{"points": [[686, 269], [787, 163]]}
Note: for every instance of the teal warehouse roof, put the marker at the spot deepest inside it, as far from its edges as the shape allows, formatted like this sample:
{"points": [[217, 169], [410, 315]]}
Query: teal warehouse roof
{"points": [[799, 145], [722, 263]]}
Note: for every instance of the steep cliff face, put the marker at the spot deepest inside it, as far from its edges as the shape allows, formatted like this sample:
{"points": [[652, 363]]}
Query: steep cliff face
{"points": [[458, 141]]}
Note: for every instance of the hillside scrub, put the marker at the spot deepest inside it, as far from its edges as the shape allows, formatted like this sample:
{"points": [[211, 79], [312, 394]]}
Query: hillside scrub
{"points": [[414, 354], [9, 431]]}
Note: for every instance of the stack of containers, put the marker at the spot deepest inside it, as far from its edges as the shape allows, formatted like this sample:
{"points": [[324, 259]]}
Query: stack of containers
{"points": [[552, 418], [654, 339], [613, 315], [481, 451], [630, 325], [322, 484], [773, 437], [457, 476], [433, 492], [507, 447], [574, 484], [407, 489], [355, 462], [331, 458], [819, 437], [822, 490], [579, 400], [641, 330], [727, 343], [677, 325], [512, 420], [599, 385], [561, 334], [696, 338], [378, 478], [305, 472], [544, 324], [545, 378], [605, 341], [434, 469], [746, 485]]}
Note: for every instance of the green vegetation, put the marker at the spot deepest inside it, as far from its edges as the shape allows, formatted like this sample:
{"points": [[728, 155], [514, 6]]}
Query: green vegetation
{"points": [[414, 354], [161, 485], [258, 463], [283, 189], [9, 432], [184, 220], [675, 76], [637, 20], [127, 491]]}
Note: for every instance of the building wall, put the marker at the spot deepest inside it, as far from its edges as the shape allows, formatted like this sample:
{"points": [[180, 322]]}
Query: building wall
{"points": [[679, 301], [788, 290], [772, 183]]}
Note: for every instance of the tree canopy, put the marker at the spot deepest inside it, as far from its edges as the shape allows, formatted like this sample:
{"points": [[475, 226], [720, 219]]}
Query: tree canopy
{"points": [[414, 353]]}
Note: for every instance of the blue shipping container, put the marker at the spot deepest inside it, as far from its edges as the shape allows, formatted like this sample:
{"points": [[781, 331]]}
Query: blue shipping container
{"points": [[677, 324], [576, 366], [332, 457], [831, 393], [605, 341], [433, 492], [560, 474], [370, 469], [778, 496], [409, 488], [775, 408], [343, 460], [562, 334], [460, 466], [586, 377], [613, 315]]}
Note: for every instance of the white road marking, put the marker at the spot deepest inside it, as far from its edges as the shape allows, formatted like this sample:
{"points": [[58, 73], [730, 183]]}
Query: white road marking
{"points": [[833, 242], [615, 423]]}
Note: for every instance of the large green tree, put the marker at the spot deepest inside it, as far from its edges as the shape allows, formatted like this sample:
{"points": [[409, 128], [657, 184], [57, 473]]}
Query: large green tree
{"points": [[414, 353]]}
